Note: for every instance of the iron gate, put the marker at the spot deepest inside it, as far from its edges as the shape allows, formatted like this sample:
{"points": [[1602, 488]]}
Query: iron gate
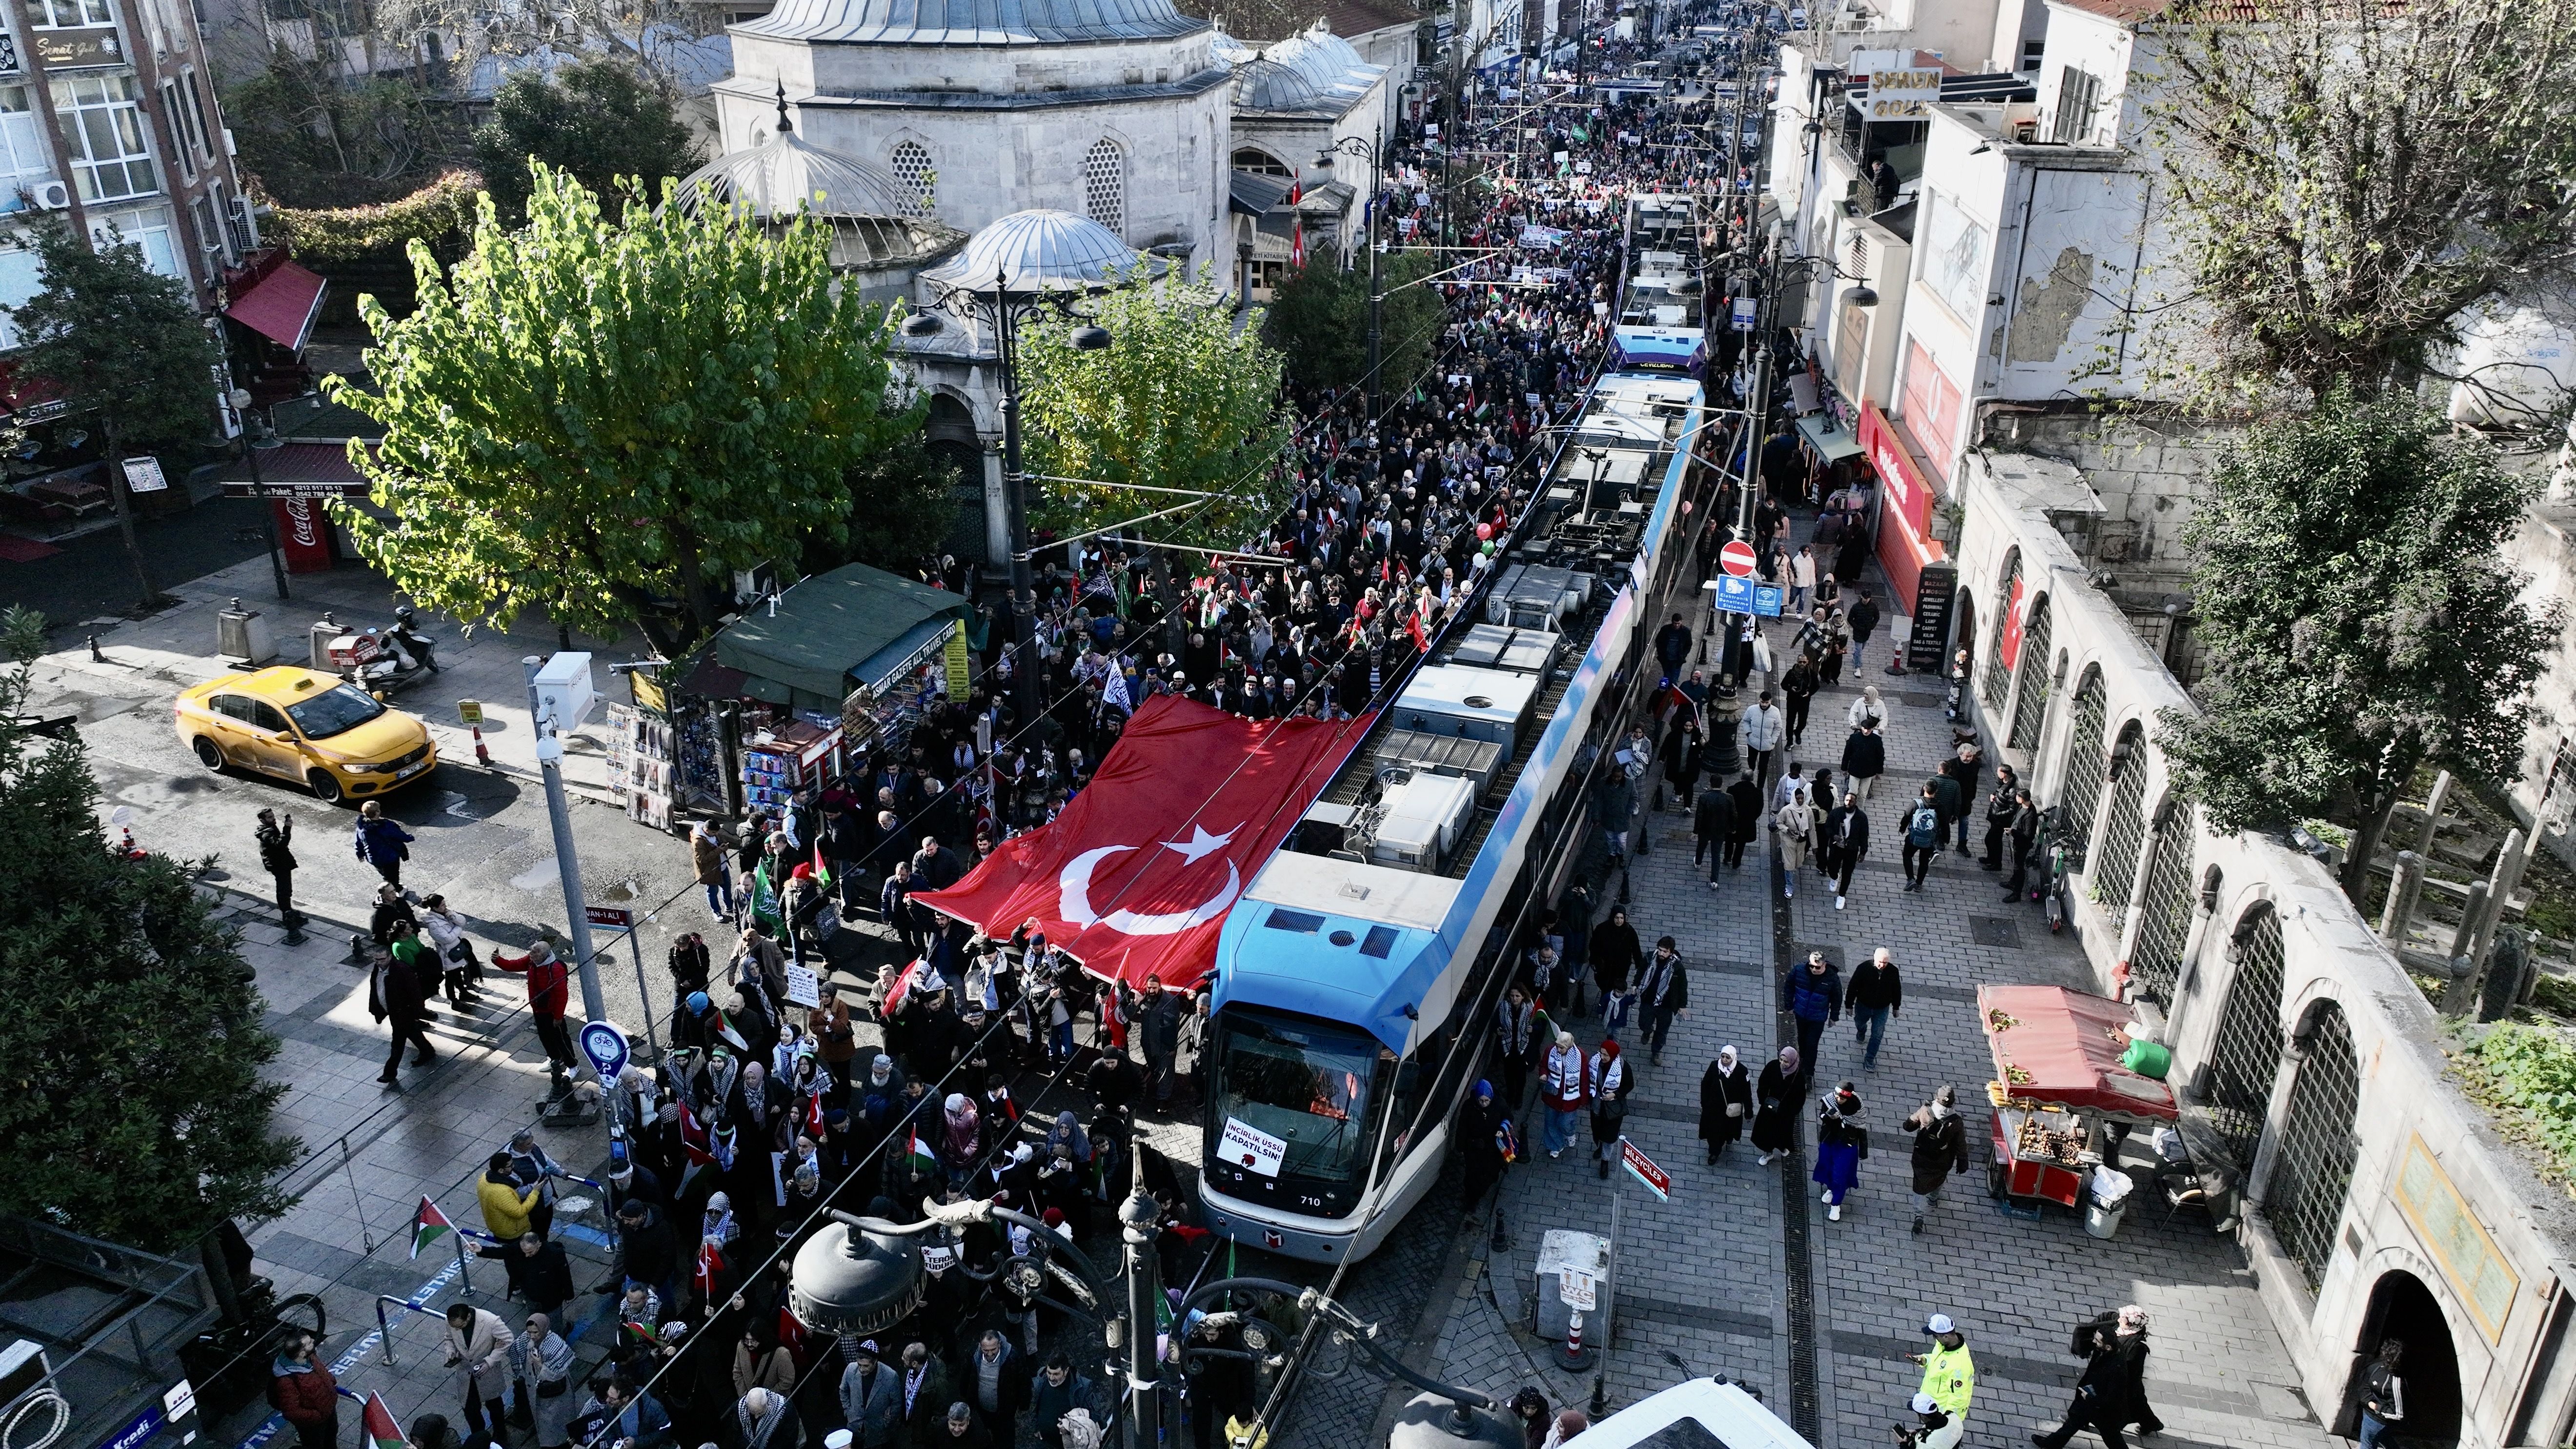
{"points": [[1998, 675], [2031, 710], [2248, 1054], [2086, 762], [2117, 873], [2164, 917], [2313, 1168]]}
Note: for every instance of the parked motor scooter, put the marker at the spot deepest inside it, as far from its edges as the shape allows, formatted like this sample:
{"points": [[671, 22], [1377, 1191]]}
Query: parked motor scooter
{"points": [[383, 661]]}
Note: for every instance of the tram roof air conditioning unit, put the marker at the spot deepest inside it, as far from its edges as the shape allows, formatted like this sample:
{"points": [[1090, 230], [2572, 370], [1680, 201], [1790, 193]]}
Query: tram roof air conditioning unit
{"points": [[1424, 817], [52, 196]]}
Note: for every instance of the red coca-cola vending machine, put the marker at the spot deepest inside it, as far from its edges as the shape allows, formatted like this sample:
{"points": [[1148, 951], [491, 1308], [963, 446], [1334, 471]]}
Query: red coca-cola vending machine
{"points": [[304, 532]]}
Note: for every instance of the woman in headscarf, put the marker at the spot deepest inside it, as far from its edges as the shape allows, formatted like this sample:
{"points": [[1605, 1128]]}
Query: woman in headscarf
{"points": [[1725, 1100], [961, 1136], [1064, 1163], [1611, 1084], [1483, 1141], [1841, 1142], [1775, 1114]]}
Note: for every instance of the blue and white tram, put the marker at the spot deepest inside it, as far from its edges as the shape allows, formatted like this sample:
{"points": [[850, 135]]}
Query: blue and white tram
{"points": [[1358, 975]]}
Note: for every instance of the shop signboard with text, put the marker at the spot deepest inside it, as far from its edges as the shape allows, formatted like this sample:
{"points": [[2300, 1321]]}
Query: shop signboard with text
{"points": [[1905, 542]]}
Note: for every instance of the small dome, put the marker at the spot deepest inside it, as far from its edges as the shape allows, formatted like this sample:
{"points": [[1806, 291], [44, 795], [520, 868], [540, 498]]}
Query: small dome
{"points": [[1042, 250], [1263, 84], [971, 22], [787, 172]]}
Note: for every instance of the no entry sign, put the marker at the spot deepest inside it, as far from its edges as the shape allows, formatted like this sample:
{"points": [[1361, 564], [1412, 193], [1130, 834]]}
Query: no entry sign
{"points": [[1737, 558]]}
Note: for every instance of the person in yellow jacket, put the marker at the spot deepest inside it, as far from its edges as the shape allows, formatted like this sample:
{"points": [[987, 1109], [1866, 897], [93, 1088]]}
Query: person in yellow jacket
{"points": [[1949, 1373], [506, 1205]]}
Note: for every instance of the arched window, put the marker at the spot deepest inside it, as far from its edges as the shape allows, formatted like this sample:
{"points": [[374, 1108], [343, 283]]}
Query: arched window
{"points": [[2164, 917], [1104, 186], [2314, 1166], [2248, 1054], [2030, 712], [2007, 608], [2115, 872], [912, 167], [1259, 162], [2081, 792]]}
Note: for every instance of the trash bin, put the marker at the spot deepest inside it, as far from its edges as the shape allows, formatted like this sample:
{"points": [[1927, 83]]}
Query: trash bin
{"points": [[2110, 1202], [1562, 1251], [242, 637]]}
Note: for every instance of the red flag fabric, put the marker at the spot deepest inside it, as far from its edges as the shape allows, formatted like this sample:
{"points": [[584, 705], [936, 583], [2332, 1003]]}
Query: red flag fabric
{"points": [[1135, 877], [382, 1431], [711, 1266]]}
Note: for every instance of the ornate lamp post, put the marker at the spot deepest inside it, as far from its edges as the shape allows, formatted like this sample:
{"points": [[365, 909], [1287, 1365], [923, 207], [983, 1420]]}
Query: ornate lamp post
{"points": [[1375, 155]]}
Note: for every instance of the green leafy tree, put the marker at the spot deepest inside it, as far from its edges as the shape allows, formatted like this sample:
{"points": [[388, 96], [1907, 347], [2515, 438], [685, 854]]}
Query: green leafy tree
{"points": [[598, 418], [2347, 176], [599, 120], [2360, 621], [903, 502], [1318, 320], [134, 1109], [127, 350], [1181, 399], [313, 138]]}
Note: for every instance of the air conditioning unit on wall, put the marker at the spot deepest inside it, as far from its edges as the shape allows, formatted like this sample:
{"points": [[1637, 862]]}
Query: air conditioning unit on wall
{"points": [[52, 196]]}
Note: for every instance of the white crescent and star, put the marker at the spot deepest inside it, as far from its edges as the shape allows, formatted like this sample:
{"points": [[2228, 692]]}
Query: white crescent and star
{"points": [[1073, 901]]}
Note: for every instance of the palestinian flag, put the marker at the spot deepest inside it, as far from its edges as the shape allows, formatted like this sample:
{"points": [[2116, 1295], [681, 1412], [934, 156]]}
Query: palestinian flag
{"points": [[918, 1154], [822, 876], [640, 1333], [732, 1038], [694, 1144], [428, 1224], [381, 1430]]}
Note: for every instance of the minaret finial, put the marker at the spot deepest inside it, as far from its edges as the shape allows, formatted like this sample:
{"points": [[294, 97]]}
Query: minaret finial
{"points": [[784, 124]]}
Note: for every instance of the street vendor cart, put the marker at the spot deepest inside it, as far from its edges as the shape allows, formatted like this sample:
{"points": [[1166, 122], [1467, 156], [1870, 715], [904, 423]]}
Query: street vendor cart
{"points": [[2062, 1099]]}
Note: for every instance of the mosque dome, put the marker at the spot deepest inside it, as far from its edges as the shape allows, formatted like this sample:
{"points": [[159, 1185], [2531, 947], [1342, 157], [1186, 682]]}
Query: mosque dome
{"points": [[971, 22], [877, 221], [1042, 250]]}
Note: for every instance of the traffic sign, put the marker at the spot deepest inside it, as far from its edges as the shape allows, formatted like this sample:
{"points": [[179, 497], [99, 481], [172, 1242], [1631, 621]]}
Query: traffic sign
{"points": [[605, 1045], [618, 916], [1737, 558], [1643, 1168], [1747, 596]]}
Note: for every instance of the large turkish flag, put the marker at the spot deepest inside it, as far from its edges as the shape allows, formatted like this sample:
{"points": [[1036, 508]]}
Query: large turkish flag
{"points": [[1135, 877]]}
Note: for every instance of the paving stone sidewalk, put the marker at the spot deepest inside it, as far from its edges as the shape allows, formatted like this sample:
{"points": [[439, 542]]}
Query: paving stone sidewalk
{"points": [[1710, 1277]]}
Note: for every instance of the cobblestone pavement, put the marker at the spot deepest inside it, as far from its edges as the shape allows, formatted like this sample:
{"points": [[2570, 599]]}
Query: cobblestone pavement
{"points": [[1711, 1277]]}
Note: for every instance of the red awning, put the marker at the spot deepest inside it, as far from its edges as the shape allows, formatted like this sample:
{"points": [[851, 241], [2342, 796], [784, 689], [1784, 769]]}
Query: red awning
{"points": [[2055, 1045], [1136, 876], [280, 306]]}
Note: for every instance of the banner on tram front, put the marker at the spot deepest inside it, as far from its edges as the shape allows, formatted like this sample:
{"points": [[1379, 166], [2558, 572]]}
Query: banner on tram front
{"points": [[1135, 877]]}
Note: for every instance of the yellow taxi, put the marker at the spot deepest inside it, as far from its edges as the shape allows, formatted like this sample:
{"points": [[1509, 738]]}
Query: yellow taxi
{"points": [[307, 726]]}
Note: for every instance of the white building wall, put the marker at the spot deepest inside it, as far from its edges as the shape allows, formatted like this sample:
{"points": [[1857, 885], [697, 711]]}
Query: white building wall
{"points": [[2510, 1368]]}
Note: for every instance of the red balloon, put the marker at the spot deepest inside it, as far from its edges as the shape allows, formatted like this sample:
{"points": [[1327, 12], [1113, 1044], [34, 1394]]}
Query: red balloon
{"points": [[1484, 531]]}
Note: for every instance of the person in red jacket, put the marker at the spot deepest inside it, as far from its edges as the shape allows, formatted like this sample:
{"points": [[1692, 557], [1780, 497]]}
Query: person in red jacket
{"points": [[304, 1391], [549, 992]]}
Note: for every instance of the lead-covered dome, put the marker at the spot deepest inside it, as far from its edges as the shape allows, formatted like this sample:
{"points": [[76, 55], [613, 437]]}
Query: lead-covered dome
{"points": [[971, 22], [1042, 250], [876, 220]]}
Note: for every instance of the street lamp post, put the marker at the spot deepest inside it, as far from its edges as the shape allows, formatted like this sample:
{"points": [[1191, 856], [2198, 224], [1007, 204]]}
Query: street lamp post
{"points": [[1007, 308], [1347, 146]]}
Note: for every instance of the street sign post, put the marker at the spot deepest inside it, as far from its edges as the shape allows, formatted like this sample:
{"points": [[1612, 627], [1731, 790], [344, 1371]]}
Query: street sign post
{"points": [[620, 918], [606, 1047], [1746, 596], [1737, 558], [1643, 1168]]}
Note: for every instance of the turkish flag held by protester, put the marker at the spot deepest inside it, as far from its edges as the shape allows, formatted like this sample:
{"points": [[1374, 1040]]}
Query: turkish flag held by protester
{"points": [[1135, 877]]}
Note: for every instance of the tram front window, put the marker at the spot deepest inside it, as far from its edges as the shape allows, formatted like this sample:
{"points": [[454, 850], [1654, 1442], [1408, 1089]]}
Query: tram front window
{"points": [[1291, 1113]]}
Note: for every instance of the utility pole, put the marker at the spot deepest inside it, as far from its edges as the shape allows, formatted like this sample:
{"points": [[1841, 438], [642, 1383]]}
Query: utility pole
{"points": [[1015, 512], [1377, 299], [594, 1007], [1139, 1222]]}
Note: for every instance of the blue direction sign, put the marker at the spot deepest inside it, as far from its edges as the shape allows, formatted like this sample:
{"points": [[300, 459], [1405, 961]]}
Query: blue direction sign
{"points": [[605, 1045], [1747, 596]]}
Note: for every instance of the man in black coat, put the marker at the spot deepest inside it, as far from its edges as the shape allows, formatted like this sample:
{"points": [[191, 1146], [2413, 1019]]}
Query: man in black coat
{"points": [[2024, 830], [402, 998], [1712, 823], [1966, 768], [1863, 618], [545, 1275], [1864, 759], [276, 835], [1844, 843], [1999, 815], [647, 1253], [2106, 1394], [1748, 818]]}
